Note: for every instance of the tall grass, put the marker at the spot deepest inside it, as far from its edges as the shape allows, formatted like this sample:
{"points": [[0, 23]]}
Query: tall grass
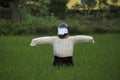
{"points": [[48, 25], [99, 61]]}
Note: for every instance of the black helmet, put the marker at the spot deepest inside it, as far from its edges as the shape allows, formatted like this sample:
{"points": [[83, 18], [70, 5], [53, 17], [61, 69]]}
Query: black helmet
{"points": [[62, 30]]}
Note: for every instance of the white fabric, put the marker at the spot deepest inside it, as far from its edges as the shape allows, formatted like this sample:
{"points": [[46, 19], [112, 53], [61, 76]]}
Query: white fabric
{"points": [[61, 47], [62, 31]]}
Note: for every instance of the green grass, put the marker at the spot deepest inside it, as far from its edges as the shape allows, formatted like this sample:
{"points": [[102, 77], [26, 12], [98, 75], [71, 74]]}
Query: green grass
{"points": [[99, 61]]}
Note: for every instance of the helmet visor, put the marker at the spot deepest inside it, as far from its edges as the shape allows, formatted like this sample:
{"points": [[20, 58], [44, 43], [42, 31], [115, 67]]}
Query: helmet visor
{"points": [[62, 31]]}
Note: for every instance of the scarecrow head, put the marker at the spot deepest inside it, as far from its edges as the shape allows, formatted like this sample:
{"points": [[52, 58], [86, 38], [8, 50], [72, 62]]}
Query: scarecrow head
{"points": [[62, 30]]}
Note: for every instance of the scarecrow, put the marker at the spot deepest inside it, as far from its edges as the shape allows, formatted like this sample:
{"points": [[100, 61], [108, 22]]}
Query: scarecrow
{"points": [[63, 45]]}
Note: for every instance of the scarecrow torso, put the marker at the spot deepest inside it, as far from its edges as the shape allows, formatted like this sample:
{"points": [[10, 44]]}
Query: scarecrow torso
{"points": [[63, 47]]}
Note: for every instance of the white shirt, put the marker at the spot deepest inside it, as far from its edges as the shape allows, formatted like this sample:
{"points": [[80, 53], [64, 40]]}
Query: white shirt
{"points": [[62, 47]]}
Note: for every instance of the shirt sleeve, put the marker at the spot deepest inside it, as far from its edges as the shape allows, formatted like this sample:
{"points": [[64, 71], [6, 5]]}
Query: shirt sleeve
{"points": [[82, 38], [42, 40]]}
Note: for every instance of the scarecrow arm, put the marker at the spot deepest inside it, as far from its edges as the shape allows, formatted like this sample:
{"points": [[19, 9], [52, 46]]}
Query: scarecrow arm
{"points": [[82, 38], [41, 40]]}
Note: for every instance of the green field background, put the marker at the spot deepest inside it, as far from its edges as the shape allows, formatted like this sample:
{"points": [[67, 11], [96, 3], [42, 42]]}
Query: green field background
{"points": [[99, 61]]}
